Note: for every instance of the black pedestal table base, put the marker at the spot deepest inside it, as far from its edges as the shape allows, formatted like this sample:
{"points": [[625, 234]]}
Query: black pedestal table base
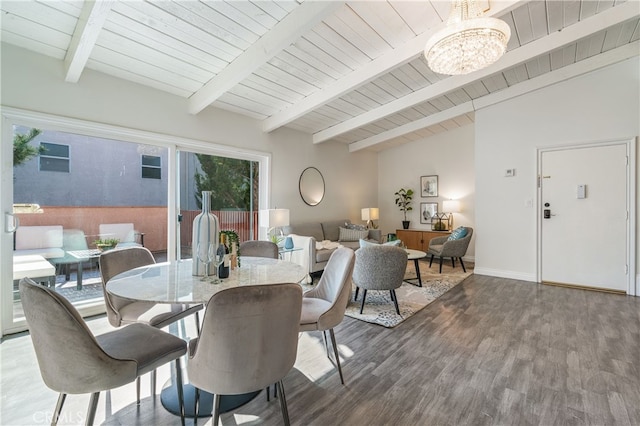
{"points": [[169, 400]]}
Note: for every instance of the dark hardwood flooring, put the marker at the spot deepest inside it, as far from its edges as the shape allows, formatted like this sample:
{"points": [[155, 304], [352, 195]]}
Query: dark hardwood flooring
{"points": [[489, 352]]}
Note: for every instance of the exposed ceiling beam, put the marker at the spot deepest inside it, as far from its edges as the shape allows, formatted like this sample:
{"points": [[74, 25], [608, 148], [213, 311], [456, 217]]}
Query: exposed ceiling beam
{"points": [[570, 34], [92, 18], [374, 69], [436, 118], [587, 65], [302, 19]]}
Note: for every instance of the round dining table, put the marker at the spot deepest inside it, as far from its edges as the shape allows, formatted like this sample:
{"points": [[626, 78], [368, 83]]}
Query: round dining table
{"points": [[173, 282]]}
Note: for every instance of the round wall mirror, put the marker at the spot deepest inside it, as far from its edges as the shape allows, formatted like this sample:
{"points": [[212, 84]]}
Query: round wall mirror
{"points": [[311, 186]]}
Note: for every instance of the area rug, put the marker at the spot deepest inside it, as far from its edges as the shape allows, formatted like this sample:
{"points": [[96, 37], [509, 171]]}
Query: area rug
{"points": [[379, 308]]}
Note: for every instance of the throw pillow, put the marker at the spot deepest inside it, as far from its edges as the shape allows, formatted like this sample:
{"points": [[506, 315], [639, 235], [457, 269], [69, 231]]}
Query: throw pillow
{"points": [[458, 233], [351, 234], [355, 226], [365, 243]]}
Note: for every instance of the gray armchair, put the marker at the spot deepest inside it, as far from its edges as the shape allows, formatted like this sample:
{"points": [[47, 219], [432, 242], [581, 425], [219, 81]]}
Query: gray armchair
{"points": [[442, 247], [379, 268]]}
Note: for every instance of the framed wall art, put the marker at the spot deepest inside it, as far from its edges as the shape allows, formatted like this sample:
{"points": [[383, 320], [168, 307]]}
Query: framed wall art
{"points": [[428, 212], [429, 186]]}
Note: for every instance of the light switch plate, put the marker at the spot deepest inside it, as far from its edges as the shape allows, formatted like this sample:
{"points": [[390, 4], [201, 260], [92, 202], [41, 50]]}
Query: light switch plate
{"points": [[510, 173]]}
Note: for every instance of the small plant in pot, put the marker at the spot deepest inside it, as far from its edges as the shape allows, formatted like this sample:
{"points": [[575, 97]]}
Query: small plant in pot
{"points": [[106, 244], [404, 199]]}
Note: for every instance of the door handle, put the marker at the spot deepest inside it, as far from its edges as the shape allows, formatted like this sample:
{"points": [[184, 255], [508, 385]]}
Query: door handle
{"points": [[547, 214]]}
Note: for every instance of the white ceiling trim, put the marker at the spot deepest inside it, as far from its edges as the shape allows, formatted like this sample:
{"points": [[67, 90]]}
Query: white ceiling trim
{"points": [[512, 58], [591, 64], [92, 18], [374, 69], [302, 19]]}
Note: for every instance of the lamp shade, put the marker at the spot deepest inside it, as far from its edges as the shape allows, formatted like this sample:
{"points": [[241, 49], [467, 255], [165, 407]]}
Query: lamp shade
{"points": [[370, 213], [451, 206], [274, 218]]}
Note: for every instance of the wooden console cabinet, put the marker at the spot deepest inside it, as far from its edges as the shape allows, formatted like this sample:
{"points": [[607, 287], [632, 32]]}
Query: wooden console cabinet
{"points": [[418, 239]]}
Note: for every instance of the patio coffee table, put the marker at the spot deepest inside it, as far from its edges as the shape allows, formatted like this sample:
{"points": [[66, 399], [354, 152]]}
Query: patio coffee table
{"points": [[83, 256], [415, 255]]}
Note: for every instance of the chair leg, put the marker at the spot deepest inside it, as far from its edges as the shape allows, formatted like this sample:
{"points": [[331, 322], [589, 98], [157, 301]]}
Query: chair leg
{"points": [[283, 403], [138, 390], [154, 377], [180, 389], [453, 262], [56, 412], [335, 353], [440, 264], [430, 261], [462, 264], [356, 295], [395, 301], [364, 296], [216, 409], [326, 344], [93, 405], [197, 323]]}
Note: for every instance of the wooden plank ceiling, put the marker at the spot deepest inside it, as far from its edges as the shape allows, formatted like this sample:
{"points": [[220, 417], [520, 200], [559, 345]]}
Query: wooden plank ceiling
{"points": [[351, 72]]}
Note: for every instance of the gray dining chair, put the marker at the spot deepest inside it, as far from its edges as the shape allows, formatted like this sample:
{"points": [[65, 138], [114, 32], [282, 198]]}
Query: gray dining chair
{"points": [[323, 307], [259, 249], [379, 268], [249, 339], [74, 361], [121, 311]]}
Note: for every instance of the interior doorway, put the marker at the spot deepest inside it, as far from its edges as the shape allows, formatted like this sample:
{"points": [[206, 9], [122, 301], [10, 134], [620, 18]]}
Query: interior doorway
{"points": [[586, 232]]}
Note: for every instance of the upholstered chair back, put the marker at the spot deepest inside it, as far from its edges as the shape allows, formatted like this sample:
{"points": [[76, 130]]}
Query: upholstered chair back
{"points": [[249, 339], [379, 267], [70, 359], [114, 262], [259, 249], [334, 287]]}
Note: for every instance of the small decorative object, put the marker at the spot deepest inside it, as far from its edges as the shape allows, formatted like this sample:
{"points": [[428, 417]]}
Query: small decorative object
{"points": [[224, 263], [440, 222], [391, 237], [428, 212], [429, 186], [403, 200], [106, 244], [288, 243], [205, 232]]}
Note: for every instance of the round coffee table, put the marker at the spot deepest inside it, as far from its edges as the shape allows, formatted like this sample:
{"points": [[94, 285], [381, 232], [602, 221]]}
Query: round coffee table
{"points": [[415, 255]]}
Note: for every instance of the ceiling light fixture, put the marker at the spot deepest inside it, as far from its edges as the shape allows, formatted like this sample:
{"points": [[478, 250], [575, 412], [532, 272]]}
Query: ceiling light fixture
{"points": [[469, 42]]}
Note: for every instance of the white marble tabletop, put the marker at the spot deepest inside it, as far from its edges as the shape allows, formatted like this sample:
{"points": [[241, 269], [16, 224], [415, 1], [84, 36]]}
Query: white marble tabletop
{"points": [[415, 254], [172, 282]]}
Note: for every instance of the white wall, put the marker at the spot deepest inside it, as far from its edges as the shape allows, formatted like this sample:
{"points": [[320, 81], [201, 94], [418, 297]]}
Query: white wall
{"points": [[35, 82], [450, 155], [602, 105]]}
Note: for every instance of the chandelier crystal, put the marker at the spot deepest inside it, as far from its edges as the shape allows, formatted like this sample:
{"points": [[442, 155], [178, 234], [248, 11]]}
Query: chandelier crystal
{"points": [[468, 43]]}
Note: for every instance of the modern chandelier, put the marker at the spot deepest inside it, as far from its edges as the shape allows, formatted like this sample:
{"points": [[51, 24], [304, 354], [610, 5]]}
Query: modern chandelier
{"points": [[468, 43]]}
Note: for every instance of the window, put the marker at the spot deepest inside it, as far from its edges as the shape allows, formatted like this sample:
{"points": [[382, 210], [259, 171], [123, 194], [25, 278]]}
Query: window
{"points": [[151, 167], [55, 157]]}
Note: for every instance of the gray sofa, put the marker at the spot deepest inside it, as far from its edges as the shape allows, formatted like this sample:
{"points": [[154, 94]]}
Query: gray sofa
{"points": [[306, 235]]}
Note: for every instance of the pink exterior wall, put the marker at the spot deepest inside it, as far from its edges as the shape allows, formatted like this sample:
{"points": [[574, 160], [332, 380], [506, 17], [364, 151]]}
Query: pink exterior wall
{"points": [[152, 221]]}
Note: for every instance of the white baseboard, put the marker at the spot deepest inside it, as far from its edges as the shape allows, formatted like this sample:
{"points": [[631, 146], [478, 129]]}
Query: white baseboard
{"points": [[501, 273]]}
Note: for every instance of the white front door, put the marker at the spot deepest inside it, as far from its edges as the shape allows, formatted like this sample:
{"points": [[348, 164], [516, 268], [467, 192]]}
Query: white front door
{"points": [[584, 211]]}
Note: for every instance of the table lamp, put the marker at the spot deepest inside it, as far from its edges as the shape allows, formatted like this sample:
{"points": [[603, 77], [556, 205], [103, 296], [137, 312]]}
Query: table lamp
{"points": [[370, 214], [451, 207], [274, 219]]}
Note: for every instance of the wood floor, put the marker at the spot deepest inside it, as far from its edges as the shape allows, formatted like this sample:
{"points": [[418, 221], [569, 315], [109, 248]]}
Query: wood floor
{"points": [[489, 352]]}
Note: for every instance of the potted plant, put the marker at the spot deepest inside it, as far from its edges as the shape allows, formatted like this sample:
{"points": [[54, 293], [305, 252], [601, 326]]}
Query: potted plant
{"points": [[403, 200], [106, 244]]}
